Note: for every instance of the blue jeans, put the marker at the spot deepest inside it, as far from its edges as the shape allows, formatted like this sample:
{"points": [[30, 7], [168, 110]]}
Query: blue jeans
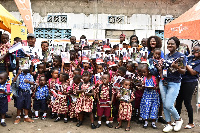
{"points": [[169, 94]]}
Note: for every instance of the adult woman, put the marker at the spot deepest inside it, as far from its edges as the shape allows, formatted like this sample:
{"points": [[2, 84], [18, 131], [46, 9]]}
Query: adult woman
{"points": [[170, 86], [134, 39], [188, 84], [152, 43]]}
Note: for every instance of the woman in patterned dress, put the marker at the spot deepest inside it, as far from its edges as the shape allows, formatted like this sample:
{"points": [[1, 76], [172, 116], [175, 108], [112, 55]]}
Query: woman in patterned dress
{"points": [[150, 100], [125, 106], [61, 102], [85, 101]]}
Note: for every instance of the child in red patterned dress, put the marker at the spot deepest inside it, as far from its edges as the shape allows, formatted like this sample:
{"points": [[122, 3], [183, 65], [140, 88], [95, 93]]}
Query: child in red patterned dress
{"points": [[125, 107], [51, 83], [85, 102], [61, 102], [105, 95], [74, 96]]}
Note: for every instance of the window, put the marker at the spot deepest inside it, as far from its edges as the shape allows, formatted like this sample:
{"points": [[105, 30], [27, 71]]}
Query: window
{"points": [[50, 33]]}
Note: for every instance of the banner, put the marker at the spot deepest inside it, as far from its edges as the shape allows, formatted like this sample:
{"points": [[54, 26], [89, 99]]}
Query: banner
{"points": [[18, 31], [24, 7]]}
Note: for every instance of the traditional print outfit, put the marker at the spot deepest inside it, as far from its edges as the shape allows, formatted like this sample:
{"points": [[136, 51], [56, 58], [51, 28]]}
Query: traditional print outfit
{"points": [[125, 109], [138, 92], [104, 96], [40, 101], [150, 100], [52, 87], [84, 103], [61, 102], [72, 110]]}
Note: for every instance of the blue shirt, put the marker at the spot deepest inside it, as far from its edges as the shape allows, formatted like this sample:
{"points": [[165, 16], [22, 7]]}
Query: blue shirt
{"points": [[22, 84], [195, 65], [41, 93], [4, 87], [174, 76]]}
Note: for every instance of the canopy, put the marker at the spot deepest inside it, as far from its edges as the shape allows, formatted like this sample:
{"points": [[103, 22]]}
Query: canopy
{"points": [[6, 19], [186, 26]]}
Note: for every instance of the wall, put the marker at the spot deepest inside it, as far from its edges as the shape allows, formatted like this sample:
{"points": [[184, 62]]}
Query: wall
{"points": [[140, 17]]}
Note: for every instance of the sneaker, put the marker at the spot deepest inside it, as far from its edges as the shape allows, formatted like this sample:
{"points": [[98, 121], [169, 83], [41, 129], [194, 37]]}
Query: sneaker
{"points": [[153, 126], [43, 118], [28, 120], [35, 117], [17, 121], [93, 126], [161, 120], [57, 119], [178, 125], [109, 125], [173, 123], [3, 124], [168, 128]]}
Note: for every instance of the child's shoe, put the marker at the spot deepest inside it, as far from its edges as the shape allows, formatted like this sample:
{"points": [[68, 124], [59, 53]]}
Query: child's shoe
{"points": [[109, 125], [65, 120], [43, 118], [3, 124], [28, 120], [17, 121], [98, 125], [57, 119], [79, 124], [93, 126], [35, 117]]}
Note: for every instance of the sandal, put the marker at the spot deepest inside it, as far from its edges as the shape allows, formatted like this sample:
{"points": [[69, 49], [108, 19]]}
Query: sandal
{"points": [[189, 127], [127, 129], [118, 127]]}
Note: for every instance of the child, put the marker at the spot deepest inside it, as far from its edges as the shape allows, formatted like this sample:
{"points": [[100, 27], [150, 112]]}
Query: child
{"points": [[85, 102], [40, 98], [4, 92], [125, 107], [24, 97], [61, 102], [156, 63], [74, 96], [57, 63], [37, 75], [138, 80], [105, 94], [150, 100], [66, 69], [52, 87]]}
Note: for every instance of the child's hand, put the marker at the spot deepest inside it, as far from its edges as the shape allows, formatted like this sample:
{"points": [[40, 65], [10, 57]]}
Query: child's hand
{"points": [[110, 103], [175, 65], [26, 81], [63, 63]]}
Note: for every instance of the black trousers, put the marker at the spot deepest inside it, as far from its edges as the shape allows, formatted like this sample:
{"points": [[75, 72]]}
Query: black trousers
{"points": [[185, 94]]}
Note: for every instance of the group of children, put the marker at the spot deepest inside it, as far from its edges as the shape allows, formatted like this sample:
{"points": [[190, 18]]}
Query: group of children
{"points": [[70, 89]]}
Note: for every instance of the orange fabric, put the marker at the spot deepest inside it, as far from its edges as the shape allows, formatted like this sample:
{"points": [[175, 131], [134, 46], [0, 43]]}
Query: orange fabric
{"points": [[24, 7], [186, 26]]}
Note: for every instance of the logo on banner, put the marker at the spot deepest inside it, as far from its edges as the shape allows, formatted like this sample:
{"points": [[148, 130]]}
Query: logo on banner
{"points": [[179, 28]]}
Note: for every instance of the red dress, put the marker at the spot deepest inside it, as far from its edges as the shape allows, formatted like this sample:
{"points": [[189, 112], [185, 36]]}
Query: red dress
{"points": [[61, 102], [51, 85], [84, 103], [72, 112], [125, 109]]}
